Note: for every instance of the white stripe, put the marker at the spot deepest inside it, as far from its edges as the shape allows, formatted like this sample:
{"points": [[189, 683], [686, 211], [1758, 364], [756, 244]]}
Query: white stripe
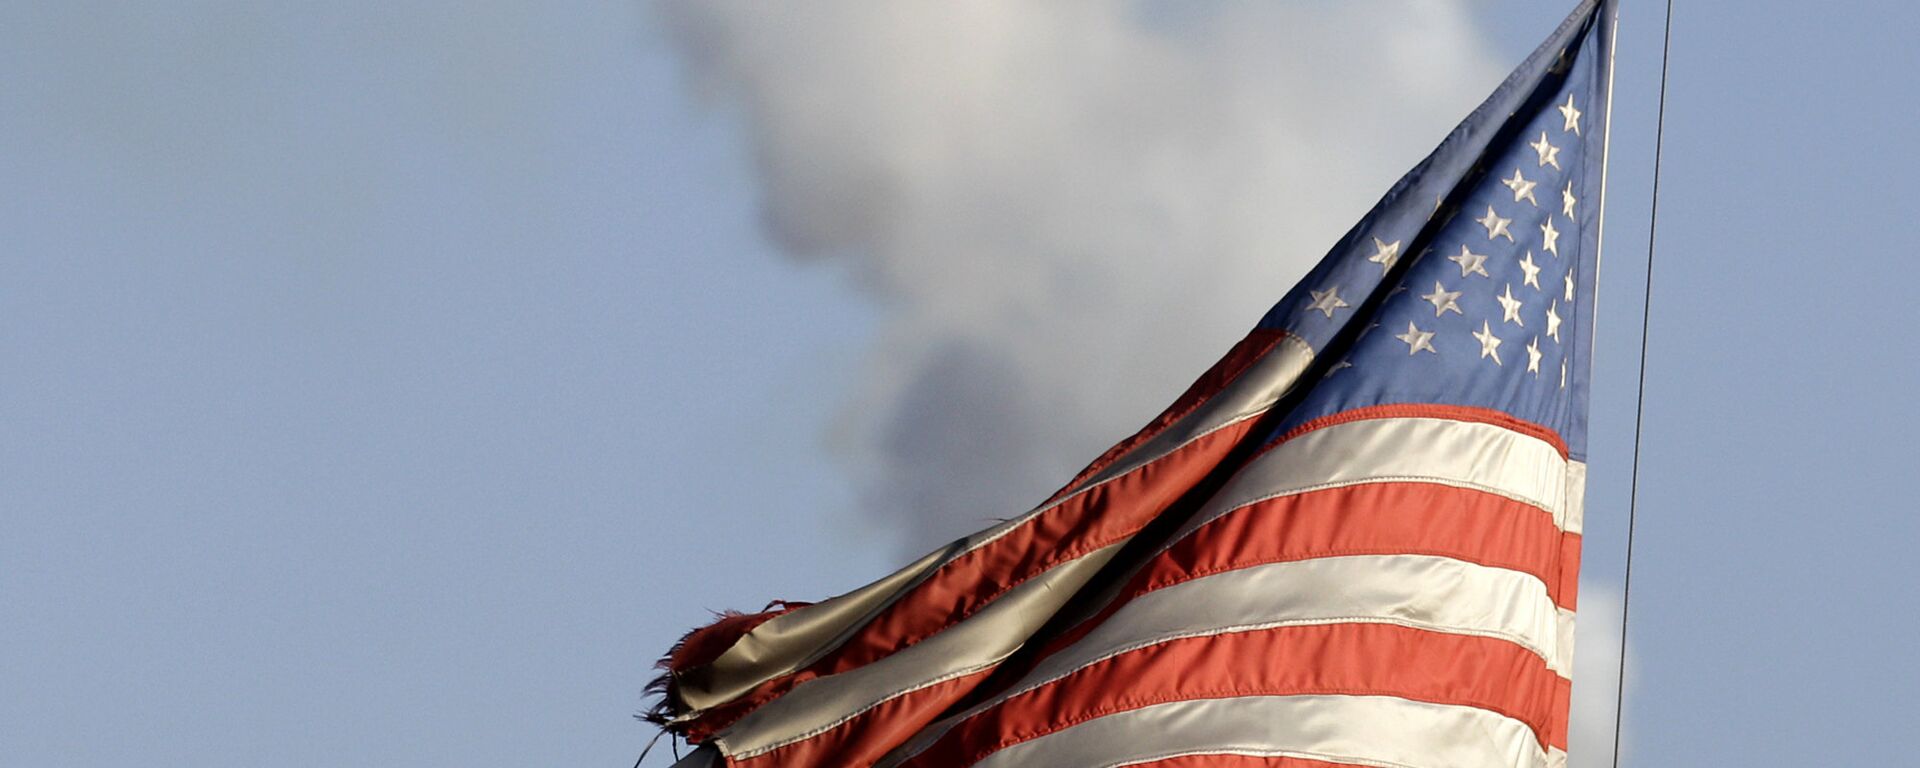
{"points": [[1576, 516], [1420, 591], [791, 641], [820, 704], [1462, 454], [1361, 730], [1563, 623]]}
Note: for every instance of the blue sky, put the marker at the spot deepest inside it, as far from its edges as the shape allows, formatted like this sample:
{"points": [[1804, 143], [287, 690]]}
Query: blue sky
{"points": [[391, 383]]}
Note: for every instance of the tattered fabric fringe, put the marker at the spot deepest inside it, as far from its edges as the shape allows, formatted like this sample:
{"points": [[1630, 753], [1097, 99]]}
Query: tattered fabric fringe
{"points": [[696, 649]]}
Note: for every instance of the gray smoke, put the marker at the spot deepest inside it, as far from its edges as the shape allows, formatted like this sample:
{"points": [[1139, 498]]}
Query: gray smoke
{"points": [[1066, 210]]}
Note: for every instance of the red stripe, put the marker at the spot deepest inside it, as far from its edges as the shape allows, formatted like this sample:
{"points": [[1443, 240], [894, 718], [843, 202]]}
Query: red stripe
{"points": [[1562, 710], [865, 737], [1081, 524], [1349, 659], [1430, 411], [1568, 581], [1369, 519]]}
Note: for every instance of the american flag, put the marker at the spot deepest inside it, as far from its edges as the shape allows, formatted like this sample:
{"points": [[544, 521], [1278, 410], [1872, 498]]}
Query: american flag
{"points": [[1354, 541]]}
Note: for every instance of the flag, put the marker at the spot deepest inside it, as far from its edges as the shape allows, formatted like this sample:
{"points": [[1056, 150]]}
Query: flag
{"points": [[1355, 540]]}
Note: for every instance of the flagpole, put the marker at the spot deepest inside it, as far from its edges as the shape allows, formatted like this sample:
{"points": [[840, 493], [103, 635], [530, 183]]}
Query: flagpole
{"points": [[1606, 147], [1640, 406]]}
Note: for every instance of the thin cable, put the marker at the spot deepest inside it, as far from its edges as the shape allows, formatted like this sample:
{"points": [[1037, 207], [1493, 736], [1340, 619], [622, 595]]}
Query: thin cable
{"points": [[649, 748], [1640, 406]]}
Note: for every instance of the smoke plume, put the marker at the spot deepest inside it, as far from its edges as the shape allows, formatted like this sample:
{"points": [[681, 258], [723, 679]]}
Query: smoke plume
{"points": [[1065, 210]]}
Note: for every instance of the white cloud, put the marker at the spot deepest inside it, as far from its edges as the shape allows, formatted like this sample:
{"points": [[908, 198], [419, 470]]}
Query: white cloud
{"points": [[1596, 666], [1066, 210]]}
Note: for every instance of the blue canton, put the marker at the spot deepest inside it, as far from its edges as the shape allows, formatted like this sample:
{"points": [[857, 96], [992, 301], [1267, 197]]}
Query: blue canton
{"points": [[1472, 282]]}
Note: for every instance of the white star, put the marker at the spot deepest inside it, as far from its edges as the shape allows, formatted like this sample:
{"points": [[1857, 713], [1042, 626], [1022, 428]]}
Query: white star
{"points": [[1553, 321], [1551, 237], [1326, 301], [1495, 225], [1337, 367], [1533, 271], [1569, 286], [1417, 340], [1522, 189], [1567, 200], [1510, 307], [1563, 374], [1549, 154], [1443, 300], [1533, 356], [1470, 262], [1489, 343], [1572, 115], [1385, 254]]}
